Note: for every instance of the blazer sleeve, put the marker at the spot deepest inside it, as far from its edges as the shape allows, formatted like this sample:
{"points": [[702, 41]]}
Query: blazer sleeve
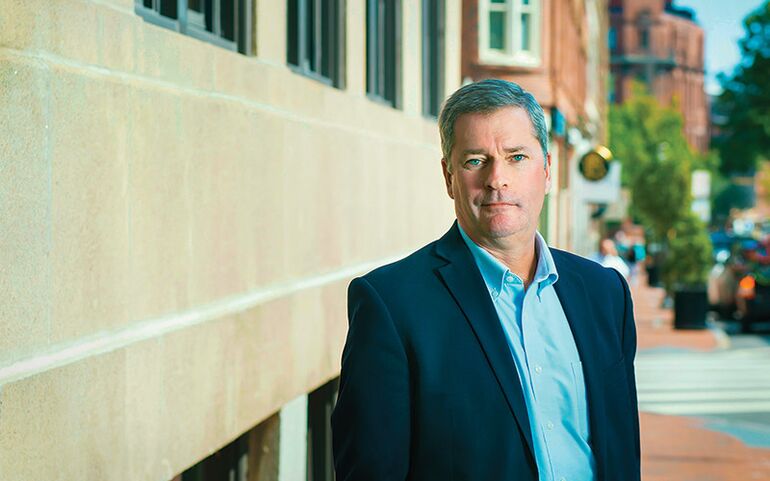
{"points": [[629, 353], [371, 420]]}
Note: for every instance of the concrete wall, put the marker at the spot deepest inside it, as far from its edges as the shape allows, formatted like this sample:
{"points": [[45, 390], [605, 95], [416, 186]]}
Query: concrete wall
{"points": [[179, 224]]}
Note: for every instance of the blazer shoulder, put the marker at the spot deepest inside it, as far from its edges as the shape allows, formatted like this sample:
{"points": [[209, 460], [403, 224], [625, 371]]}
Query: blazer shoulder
{"points": [[415, 264]]}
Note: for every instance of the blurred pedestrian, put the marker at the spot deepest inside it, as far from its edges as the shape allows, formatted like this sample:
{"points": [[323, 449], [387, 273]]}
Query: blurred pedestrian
{"points": [[635, 256], [608, 257]]}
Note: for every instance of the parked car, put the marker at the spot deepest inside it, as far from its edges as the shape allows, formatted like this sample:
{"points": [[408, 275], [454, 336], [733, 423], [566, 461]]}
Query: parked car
{"points": [[752, 295], [739, 282]]}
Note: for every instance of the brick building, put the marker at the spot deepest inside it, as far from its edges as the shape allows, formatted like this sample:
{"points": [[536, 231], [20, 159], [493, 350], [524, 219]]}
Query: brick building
{"points": [[661, 45], [556, 50]]}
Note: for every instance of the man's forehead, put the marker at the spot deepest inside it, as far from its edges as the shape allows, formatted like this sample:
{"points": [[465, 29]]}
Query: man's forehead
{"points": [[515, 109], [509, 149], [470, 119], [518, 125]]}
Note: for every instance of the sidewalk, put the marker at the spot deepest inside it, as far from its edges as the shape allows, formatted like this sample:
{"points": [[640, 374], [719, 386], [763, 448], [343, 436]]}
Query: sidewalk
{"points": [[679, 448], [654, 324]]}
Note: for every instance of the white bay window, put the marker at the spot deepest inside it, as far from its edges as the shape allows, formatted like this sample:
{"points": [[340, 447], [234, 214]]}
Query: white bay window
{"points": [[509, 32]]}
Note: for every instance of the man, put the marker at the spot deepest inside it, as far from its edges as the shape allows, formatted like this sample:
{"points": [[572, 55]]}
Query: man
{"points": [[486, 355]]}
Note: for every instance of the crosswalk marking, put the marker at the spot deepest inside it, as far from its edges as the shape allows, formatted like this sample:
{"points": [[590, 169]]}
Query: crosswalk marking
{"points": [[753, 394], [730, 381]]}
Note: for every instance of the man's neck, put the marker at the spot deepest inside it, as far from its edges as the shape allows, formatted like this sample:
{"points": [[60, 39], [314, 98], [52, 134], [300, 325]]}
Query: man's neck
{"points": [[517, 253]]}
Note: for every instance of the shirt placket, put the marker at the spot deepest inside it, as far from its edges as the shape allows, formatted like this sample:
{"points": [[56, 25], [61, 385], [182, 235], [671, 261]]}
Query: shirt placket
{"points": [[537, 374]]}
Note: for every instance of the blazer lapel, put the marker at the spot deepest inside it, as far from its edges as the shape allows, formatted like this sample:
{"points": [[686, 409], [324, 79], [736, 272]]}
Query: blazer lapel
{"points": [[573, 295], [466, 285]]}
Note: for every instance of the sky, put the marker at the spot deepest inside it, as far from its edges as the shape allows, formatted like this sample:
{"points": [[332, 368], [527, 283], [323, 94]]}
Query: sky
{"points": [[722, 21]]}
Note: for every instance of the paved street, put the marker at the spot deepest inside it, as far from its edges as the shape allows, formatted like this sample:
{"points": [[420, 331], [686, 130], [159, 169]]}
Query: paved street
{"points": [[694, 383], [704, 398]]}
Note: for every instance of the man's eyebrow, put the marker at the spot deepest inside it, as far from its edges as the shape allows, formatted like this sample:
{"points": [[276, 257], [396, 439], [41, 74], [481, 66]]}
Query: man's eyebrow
{"points": [[474, 151], [518, 148]]}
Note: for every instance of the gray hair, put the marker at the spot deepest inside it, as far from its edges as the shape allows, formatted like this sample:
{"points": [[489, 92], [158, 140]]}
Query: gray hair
{"points": [[487, 96]]}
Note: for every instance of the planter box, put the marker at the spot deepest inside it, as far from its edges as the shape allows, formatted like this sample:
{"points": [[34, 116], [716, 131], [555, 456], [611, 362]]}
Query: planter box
{"points": [[690, 308], [653, 275]]}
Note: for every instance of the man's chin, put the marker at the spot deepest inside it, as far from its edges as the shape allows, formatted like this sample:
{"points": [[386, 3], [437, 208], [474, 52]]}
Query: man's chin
{"points": [[500, 234], [500, 228]]}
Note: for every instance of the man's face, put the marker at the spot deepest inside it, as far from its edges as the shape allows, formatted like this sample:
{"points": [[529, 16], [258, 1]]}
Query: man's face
{"points": [[498, 177]]}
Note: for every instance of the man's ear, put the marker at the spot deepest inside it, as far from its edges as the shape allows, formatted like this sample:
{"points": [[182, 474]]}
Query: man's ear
{"points": [[548, 173], [447, 177]]}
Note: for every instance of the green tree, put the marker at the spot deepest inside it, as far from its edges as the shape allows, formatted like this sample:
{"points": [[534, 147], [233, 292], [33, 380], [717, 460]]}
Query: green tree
{"points": [[657, 161], [660, 190], [632, 132], [688, 258], [745, 101], [648, 138]]}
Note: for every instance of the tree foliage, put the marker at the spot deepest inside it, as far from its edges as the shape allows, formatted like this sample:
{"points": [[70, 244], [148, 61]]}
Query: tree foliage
{"points": [[689, 253], [657, 161], [745, 100], [660, 192], [649, 140]]}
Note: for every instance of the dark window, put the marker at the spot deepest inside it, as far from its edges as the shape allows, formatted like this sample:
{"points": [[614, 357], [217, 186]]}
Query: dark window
{"points": [[166, 8], [221, 22], [644, 38], [315, 38], [320, 464], [383, 55], [611, 88], [229, 463], [432, 56], [254, 455]]}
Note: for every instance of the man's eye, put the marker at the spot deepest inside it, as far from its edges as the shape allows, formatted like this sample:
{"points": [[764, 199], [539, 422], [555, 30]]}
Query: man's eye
{"points": [[519, 157], [473, 162]]}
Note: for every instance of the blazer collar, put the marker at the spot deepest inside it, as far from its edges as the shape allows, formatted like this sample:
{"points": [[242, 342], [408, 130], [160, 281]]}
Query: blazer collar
{"points": [[464, 282]]}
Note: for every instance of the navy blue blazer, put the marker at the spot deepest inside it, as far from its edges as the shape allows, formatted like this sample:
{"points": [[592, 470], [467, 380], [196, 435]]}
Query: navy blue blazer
{"points": [[429, 390]]}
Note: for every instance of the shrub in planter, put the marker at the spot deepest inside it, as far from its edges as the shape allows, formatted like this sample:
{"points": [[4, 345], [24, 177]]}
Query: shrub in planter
{"points": [[685, 272]]}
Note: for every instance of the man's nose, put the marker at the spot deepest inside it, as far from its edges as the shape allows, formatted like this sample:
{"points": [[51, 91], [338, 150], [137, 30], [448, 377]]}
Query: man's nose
{"points": [[498, 175]]}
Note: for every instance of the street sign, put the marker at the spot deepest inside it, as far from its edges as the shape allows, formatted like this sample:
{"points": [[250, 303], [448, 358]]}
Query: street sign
{"points": [[595, 164]]}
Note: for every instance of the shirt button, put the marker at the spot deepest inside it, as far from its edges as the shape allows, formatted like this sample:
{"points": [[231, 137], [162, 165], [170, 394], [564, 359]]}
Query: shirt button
{"points": [[494, 292], [549, 425], [538, 369], [562, 479], [509, 278]]}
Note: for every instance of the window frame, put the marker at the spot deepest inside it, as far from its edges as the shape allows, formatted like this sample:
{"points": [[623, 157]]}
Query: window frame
{"points": [[433, 55], [513, 55], [383, 56], [242, 24], [336, 39]]}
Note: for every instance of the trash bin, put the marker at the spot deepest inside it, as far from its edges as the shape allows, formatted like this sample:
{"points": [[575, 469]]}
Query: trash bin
{"points": [[690, 307]]}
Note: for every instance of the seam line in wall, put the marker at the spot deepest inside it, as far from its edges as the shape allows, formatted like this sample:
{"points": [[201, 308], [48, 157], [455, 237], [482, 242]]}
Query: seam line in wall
{"points": [[112, 6], [127, 78], [107, 341]]}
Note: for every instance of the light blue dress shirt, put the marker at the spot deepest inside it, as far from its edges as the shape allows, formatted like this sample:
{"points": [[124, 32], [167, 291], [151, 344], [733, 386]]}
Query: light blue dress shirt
{"points": [[547, 361]]}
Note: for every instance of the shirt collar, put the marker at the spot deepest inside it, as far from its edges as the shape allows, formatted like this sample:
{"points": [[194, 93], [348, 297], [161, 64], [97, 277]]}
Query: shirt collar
{"points": [[495, 273]]}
